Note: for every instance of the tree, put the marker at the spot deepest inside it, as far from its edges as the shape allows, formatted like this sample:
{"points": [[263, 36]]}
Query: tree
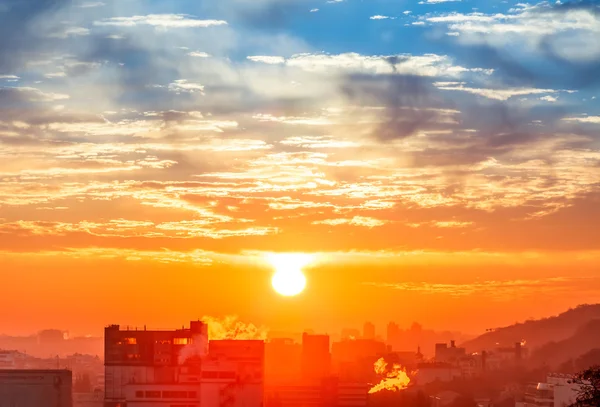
{"points": [[589, 393]]}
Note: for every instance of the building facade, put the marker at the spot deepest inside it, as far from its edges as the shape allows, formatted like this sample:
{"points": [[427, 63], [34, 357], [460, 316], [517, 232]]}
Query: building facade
{"points": [[36, 388], [181, 368]]}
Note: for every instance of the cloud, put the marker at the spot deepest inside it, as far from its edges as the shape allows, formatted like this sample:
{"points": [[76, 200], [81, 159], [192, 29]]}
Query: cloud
{"points": [[586, 119], [273, 60], [421, 65], [362, 221], [198, 54], [71, 32], [496, 94], [437, 1], [31, 94], [160, 20], [91, 4], [380, 17], [561, 35], [497, 289]]}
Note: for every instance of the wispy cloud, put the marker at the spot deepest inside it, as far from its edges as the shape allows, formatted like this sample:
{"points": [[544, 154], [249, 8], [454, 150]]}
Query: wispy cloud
{"points": [[160, 20]]}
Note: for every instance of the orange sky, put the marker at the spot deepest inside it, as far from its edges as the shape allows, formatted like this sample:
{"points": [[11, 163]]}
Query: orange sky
{"points": [[83, 291], [153, 152]]}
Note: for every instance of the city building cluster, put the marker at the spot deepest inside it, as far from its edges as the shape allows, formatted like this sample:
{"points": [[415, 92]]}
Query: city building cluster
{"points": [[185, 368]]}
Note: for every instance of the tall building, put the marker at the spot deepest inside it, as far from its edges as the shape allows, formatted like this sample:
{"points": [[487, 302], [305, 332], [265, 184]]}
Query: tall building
{"points": [[449, 354], [369, 331], [181, 368], [282, 361], [36, 388], [393, 334], [316, 358]]}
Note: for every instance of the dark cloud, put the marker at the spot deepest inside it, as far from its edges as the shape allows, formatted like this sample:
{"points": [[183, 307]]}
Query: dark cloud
{"points": [[20, 33], [410, 102]]}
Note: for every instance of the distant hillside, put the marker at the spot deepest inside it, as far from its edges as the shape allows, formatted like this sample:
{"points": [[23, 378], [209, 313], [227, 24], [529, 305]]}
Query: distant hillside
{"points": [[554, 354], [538, 332]]}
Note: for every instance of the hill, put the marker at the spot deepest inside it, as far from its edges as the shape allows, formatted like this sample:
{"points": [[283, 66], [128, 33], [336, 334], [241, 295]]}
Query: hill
{"points": [[555, 354], [538, 332]]}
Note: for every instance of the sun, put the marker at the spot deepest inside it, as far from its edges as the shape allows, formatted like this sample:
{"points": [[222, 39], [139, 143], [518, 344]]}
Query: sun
{"points": [[288, 279]]}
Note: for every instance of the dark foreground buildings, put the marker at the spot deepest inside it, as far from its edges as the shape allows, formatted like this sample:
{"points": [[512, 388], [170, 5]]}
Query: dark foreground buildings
{"points": [[35, 388]]}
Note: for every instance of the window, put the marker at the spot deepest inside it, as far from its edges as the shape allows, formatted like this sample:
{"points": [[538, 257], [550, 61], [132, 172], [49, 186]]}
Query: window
{"points": [[130, 341], [153, 394], [226, 375], [210, 375], [181, 341], [139, 394]]}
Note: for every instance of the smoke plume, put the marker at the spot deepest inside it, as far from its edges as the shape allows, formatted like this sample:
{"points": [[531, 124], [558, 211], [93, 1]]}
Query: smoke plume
{"points": [[394, 379], [198, 348], [231, 327]]}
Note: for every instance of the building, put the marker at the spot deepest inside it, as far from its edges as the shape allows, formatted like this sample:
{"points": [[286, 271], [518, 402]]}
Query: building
{"points": [[329, 393], [282, 361], [316, 358], [369, 331], [92, 399], [35, 388], [181, 368], [352, 360], [436, 372], [449, 354], [557, 391], [393, 334]]}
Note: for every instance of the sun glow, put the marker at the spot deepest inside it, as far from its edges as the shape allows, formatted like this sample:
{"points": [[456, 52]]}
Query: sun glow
{"points": [[288, 279]]}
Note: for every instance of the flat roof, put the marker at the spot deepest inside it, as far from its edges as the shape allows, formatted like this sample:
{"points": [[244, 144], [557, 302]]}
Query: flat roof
{"points": [[34, 371]]}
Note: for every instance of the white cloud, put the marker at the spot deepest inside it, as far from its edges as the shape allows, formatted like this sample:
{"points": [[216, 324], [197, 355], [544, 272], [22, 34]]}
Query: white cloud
{"points": [[36, 95], [378, 17], [183, 86], [422, 65], [160, 20], [91, 4], [549, 98], [9, 77], [570, 33], [55, 75], [272, 60], [198, 54], [587, 119], [496, 94], [362, 221], [71, 32], [314, 10], [437, 1]]}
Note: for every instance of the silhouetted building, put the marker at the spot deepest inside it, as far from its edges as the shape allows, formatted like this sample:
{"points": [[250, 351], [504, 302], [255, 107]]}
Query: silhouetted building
{"points": [[316, 358], [393, 333], [448, 354], [369, 331], [36, 388], [181, 368], [353, 360], [350, 333], [329, 393], [283, 361]]}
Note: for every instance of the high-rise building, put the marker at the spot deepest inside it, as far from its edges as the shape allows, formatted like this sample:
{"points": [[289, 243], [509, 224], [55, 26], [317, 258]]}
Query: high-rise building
{"points": [[36, 388], [316, 358], [282, 361], [369, 331], [393, 334], [181, 368]]}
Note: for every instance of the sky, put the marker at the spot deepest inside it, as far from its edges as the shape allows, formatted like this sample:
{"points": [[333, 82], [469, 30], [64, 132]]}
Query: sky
{"points": [[439, 160]]}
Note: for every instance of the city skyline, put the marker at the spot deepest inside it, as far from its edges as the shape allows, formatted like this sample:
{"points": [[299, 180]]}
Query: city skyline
{"points": [[434, 161]]}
